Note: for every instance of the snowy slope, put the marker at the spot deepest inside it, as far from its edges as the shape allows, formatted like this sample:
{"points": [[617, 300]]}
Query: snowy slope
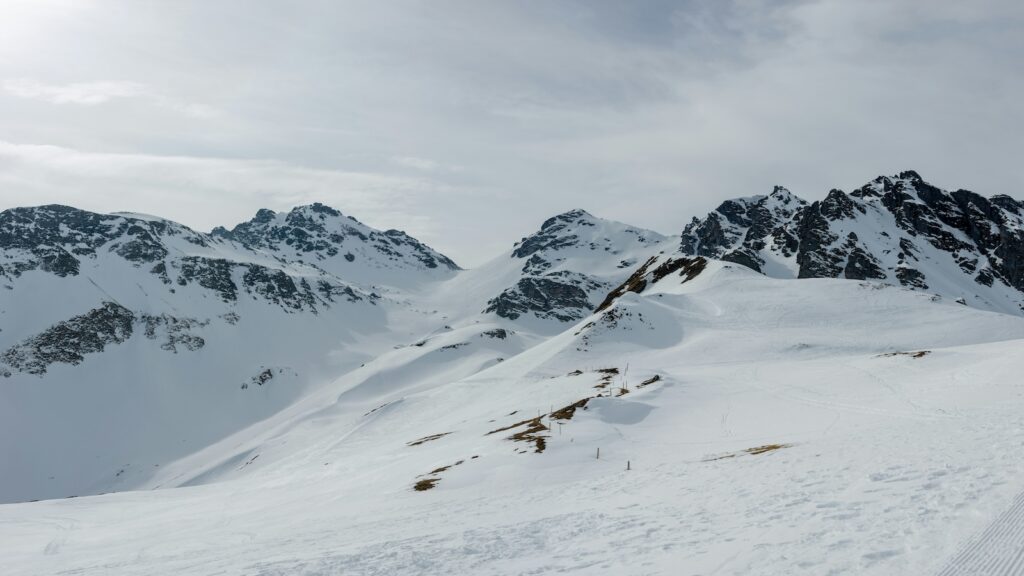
{"points": [[129, 341], [575, 253], [900, 230], [826, 426], [184, 338], [426, 420]]}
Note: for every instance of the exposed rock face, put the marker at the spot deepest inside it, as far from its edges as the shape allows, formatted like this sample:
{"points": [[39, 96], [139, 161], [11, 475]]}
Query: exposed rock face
{"points": [[266, 375], [568, 265], [545, 297], [654, 270], [175, 332], [556, 232], [318, 233], [55, 238], [739, 230], [58, 240], [137, 274], [68, 342], [896, 229]]}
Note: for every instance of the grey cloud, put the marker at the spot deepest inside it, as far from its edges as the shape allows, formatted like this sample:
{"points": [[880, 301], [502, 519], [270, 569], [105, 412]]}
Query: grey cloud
{"points": [[454, 112]]}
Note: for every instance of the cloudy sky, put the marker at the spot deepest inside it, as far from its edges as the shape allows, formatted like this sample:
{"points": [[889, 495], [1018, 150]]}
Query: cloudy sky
{"points": [[467, 123]]}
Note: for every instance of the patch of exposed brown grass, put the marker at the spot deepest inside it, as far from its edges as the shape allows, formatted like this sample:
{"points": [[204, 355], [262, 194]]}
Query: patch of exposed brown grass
{"points": [[567, 412], [425, 484], [531, 433], [766, 448], [608, 374], [427, 439], [751, 451], [510, 426]]}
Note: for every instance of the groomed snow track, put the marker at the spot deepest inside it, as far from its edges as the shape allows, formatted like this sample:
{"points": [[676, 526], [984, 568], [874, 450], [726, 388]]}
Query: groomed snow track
{"points": [[996, 551]]}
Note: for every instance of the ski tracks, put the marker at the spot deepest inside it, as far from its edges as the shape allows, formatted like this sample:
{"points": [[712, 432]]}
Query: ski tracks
{"points": [[996, 551]]}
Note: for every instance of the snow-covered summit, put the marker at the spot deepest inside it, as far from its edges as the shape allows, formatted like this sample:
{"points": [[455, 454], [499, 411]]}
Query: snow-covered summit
{"points": [[56, 238], [560, 272], [196, 335], [341, 245], [571, 233]]}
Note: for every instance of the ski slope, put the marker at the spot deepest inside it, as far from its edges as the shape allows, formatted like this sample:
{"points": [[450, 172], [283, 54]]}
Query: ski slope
{"points": [[786, 427]]}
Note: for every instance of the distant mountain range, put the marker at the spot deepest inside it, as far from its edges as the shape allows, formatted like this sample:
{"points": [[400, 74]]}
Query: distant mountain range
{"points": [[128, 342], [899, 230]]}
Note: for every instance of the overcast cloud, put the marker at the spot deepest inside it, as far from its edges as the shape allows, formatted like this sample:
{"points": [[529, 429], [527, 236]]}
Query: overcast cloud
{"points": [[467, 123]]}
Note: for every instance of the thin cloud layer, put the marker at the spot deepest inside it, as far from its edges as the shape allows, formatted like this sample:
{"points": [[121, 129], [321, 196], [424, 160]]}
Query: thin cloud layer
{"points": [[199, 191], [468, 123], [84, 93]]}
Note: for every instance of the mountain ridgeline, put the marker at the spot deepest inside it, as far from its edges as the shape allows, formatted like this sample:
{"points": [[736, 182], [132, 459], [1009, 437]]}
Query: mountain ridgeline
{"points": [[898, 230], [339, 244], [145, 320], [178, 337]]}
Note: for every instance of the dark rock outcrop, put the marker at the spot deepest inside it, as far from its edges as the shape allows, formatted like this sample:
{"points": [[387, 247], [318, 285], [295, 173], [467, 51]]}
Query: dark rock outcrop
{"points": [[69, 341], [898, 229], [653, 271], [555, 282], [320, 233], [545, 297]]}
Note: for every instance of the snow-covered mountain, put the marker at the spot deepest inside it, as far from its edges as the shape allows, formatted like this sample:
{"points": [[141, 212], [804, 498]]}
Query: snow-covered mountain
{"points": [[341, 245], [899, 230], [762, 394], [185, 337], [559, 273], [127, 341], [686, 424]]}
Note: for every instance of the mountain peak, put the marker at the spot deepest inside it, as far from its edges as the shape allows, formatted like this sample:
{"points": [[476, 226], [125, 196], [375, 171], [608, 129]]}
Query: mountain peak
{"points": [[574, 215], [316, 208], [896, 229], [264, 215], [910, 175], [580, 228], [322, 235], [562, 270], [883, 184], [782, 199]]}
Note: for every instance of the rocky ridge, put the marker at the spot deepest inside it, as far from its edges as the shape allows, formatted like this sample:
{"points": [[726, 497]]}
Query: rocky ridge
{"points": [[320, 235], [895, 229], [567, 266]]}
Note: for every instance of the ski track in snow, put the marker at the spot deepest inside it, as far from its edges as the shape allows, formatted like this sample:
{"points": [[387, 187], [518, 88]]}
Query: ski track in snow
{"points": [[997, 551]]}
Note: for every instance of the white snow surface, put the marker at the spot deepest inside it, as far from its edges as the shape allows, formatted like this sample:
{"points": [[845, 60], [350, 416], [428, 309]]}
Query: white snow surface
{"points": [[794, 427], [174, 403]]}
